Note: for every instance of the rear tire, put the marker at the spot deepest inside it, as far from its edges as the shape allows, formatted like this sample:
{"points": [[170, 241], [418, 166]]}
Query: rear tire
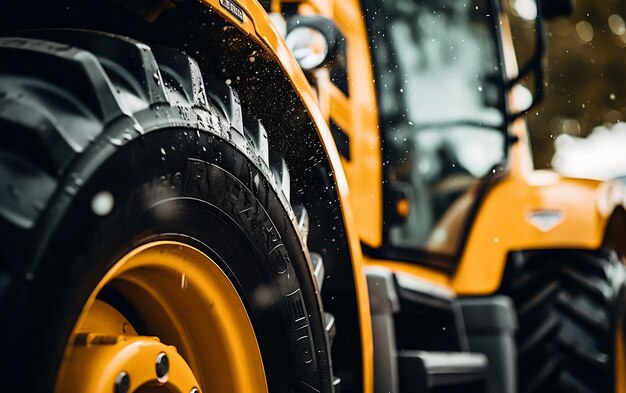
{"points": [[108, 144], [569, 305]]}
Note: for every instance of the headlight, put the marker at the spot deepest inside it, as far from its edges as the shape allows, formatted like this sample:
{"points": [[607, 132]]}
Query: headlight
{"points": [[308, 46]]}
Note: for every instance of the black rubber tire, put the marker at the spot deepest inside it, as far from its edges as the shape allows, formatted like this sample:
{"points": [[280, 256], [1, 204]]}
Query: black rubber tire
{"points": [[84, 113], [568, 304]]}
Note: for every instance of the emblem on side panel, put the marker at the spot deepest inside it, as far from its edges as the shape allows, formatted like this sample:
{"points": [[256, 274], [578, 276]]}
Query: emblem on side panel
{"points": [[233, 9], [545, 220]]}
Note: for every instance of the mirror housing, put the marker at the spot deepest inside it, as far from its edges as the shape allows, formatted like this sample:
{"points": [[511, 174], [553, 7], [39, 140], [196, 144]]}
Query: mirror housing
{"points": [[546, 10], [315, 41]]}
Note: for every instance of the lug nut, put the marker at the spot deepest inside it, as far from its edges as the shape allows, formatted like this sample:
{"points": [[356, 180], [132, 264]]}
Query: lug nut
{"points": [[122, 382], [162, 366]]}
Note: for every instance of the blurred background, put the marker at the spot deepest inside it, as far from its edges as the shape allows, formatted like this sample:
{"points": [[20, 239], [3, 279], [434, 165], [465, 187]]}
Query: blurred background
{"points": [[585, 91]]}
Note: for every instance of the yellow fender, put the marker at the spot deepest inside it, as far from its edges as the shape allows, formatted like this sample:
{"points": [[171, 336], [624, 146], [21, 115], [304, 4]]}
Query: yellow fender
{"points": [[258, 26]]}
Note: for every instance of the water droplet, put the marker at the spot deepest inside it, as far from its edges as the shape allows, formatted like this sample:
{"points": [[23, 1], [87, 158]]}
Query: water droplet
{"points": [[102, 203], [585, 31], [77, 180], [617, 25]]}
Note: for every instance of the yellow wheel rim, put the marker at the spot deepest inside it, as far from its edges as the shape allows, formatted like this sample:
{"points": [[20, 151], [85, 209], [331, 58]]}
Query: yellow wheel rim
{"points": [[195, 332]]}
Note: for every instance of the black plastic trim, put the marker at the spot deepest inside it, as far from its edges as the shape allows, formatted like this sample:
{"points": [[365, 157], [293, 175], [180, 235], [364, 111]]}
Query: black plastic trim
{"points": [[342, 140]]}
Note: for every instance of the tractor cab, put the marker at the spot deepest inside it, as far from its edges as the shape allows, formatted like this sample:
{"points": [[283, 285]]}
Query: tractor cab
{"points": [[441, 100], [422, 144]]}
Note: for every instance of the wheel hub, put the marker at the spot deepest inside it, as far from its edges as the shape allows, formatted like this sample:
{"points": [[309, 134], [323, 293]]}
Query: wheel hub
{"points": [[125, 364]]}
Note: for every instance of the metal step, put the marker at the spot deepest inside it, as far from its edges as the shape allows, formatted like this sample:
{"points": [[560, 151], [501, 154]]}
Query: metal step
{"points": [[422, 371]]}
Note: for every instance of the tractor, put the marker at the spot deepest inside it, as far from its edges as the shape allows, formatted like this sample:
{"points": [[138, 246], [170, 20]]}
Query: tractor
{"points": [[292, 196]]}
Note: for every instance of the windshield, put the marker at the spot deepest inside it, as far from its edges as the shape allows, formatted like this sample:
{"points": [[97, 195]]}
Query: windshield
{"points": [[441, 113]]}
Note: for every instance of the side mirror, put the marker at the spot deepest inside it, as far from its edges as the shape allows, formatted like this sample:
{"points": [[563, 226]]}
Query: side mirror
{"points": [[545, 10], [315, 41]]}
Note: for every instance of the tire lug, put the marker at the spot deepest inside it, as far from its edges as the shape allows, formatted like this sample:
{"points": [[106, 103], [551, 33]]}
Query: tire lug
{"points": [[122, 382], [162, 366]]}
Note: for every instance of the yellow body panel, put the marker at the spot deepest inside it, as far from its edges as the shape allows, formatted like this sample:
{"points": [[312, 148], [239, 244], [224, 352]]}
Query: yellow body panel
{"points": [[424, 272]]}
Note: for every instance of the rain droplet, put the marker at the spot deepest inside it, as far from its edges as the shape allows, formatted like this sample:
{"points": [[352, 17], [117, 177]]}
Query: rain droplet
{"points": [[584, 31], [77, 180], [617, 25], [102, 203]]}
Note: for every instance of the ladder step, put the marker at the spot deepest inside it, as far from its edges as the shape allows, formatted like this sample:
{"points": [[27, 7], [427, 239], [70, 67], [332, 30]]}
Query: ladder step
{"points": [[422, 371]]}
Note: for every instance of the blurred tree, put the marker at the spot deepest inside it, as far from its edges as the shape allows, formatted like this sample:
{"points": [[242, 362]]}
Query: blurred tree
{"points": [[586, 67]]}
